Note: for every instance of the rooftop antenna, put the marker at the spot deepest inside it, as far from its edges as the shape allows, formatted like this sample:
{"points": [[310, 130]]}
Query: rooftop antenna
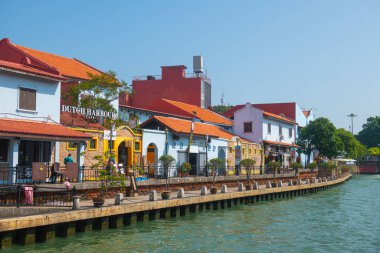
{"points": [[352, 121], [222, 101]]}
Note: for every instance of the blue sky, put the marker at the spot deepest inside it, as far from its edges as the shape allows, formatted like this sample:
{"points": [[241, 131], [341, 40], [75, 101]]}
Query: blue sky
{"points": [[321, 54]]}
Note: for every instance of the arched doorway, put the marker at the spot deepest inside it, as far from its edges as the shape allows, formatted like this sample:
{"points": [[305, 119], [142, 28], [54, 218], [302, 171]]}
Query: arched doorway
{"points": [[151, 158], [123, 155]]}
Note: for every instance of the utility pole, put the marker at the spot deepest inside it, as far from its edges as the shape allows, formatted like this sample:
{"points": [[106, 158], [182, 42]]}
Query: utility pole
{"points": [[352, 121]]}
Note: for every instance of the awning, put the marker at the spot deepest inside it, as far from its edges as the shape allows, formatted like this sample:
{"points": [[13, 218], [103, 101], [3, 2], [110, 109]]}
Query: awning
{"points": [[194, 149], [39, 130], [284, 144]]}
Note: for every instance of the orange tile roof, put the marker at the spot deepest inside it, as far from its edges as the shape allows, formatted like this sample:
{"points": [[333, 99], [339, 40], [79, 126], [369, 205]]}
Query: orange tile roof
{"points": [[66, 66], [78, 120], [183, 126], [280, 143], [24, 69], [272, 115], [21, 128], [202, 113]]}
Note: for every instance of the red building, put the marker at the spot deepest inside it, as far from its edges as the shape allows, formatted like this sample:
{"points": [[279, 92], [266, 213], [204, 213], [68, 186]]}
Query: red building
{"points": [[173, 84]]}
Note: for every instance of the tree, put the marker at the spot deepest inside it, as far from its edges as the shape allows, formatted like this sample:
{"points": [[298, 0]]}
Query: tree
{"points": [[351, 147], [214, 165], [221, 108], [322, 134], [248, 164], [370, 134], [167, 161], [374, 151], [99, 91]]}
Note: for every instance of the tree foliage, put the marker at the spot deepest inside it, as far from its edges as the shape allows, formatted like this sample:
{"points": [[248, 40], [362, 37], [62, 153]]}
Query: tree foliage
{"points": [[99, 91], [221, 108], [351, 147], [322, 134], [370, 134], [374, 151]]}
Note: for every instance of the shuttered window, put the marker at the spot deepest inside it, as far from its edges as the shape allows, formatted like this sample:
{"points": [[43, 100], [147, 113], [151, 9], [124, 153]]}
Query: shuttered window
{"points": [[27, 99], [247, 127]]}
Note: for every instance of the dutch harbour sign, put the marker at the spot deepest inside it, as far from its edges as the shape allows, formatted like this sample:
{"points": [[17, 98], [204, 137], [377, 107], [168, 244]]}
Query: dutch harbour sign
{"points": [[87, 112]]}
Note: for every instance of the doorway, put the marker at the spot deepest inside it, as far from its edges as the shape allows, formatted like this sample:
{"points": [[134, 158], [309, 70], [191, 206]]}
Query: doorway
{"points": [[193, 160], [122, 154]]}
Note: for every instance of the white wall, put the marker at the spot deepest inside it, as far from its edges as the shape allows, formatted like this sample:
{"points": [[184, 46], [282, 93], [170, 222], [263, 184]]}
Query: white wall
{"points": [[300, 117], [175, 146], [48, 96], [248, 114], [274, 135]]}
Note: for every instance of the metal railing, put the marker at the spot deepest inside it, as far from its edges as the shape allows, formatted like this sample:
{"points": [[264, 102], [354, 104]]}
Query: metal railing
{"points": [[33, 195], [23, 174]]}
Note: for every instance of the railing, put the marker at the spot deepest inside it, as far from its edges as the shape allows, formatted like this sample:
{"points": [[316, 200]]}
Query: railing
{"points": [[32, 195], [23, 174]]}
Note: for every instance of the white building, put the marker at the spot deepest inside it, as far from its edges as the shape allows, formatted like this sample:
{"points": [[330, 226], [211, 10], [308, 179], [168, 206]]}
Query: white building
{"points": [[170, 136], [29, 119], [277, 133]]}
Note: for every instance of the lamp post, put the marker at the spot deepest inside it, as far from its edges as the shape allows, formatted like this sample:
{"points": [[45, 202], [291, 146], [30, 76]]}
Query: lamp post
{"points": [[352, 121], [112, 126], [206, 145]]}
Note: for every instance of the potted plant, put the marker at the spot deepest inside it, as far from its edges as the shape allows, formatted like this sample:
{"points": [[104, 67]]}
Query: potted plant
{"points": [[108, 177], [312, 166], [184, 169], [214, 164], [167, 161], [296, 166], [274, 166], [248, 165]]}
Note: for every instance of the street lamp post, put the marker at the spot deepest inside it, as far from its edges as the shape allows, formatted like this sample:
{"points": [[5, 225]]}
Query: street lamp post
{"points": [[352, 121], [112, 126], [206, 145]]}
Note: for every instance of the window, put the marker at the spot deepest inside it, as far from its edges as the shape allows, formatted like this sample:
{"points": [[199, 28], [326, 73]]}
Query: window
{"points": [[255, 151], [231, 150], [174, 144], [247, 127], [27, 99], [181, 145], [280, 130], [243, 149], [138, 146], [250, 151], [3, 150], [93, 144], [269, 128], [71, 146], [290, 132]]}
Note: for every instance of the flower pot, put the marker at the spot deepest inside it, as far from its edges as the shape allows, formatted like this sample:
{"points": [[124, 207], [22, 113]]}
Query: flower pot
{"points": [[213, 190], [98, 201], [165, 195]]}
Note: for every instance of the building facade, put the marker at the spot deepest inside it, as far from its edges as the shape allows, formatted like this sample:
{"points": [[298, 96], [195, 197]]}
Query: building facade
{"points": [[29, 117], [276, 133], [171, 136]]}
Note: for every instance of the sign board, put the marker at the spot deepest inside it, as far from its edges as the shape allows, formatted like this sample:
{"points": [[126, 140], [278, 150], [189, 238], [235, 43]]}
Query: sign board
{"points": [[87, 112], [72, 171], [107, 135], [39, 171], [237, 155]]}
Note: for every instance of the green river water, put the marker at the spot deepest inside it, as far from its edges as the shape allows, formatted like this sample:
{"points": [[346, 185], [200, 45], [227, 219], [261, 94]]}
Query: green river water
{"points": [[345, 218]]}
